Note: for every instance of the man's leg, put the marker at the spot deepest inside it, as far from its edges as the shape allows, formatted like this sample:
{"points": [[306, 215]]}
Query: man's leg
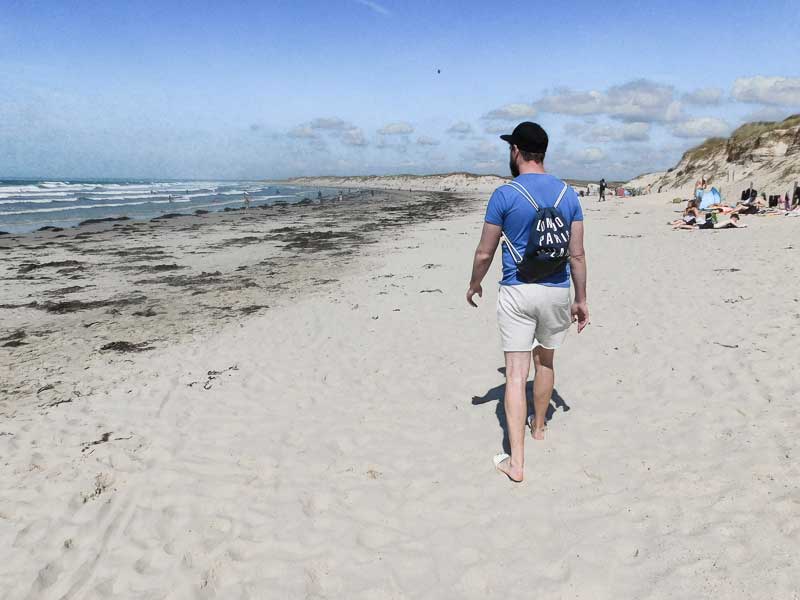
{"points": [[518, 365], [542, 388]]}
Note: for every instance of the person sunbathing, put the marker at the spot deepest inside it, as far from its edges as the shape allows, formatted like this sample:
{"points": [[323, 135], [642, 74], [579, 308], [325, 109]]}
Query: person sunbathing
{"points": [[751, 206], [695, 220], [690, 215], [732, 223]]}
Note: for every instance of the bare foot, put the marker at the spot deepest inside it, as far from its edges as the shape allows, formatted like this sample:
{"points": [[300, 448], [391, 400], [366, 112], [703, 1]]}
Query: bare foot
{"points": [[514, 473], [537, 433]]}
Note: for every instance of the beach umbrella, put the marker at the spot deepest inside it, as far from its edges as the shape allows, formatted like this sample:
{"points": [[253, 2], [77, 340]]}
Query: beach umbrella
{"points": [[710, 197]]}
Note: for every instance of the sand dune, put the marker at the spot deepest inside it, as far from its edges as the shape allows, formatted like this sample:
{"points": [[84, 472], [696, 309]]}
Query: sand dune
{"points": [[446, 182], [339, 445]]}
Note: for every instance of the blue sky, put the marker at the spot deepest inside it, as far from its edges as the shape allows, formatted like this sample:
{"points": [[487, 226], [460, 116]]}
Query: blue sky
{"points": [[274, 89]]}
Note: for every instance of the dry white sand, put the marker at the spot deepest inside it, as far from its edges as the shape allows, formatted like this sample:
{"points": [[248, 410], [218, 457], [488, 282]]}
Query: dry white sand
{"points": [[348, 455]]}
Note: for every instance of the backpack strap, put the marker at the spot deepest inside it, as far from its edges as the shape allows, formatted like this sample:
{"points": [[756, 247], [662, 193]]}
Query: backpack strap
{"points": [[561, 195], [521, 189], [515, 255]]}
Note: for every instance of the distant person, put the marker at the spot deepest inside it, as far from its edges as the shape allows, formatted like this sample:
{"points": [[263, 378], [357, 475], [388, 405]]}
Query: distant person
{"points": [[340, 196], [700, 187], [319, 195], [534, 310], [602, 186], [246, 201]]}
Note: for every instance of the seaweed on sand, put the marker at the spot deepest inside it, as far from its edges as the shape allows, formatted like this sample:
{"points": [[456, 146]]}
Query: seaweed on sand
{"points": [[152, 268], [70, 306], [126, 347], [28, 267]]}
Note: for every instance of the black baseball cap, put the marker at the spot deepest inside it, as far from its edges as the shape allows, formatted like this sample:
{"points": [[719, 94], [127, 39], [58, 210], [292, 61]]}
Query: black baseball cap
{"points": [[529, 137]]}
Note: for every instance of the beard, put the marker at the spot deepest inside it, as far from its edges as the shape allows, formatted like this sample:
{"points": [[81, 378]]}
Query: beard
{"points": [[512, 165]]}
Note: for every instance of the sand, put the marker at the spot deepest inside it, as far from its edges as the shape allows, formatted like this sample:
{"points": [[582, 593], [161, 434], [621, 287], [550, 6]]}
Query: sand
{"points": [[339, 444]]}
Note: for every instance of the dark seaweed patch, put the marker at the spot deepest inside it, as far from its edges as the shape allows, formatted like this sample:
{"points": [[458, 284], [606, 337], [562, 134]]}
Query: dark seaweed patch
{"points": [[203, 278], [152, 268], [65, 290], [136, 251], [105, 220], [69, 306], [253, 308], [28, 267], [169, 216], [319, 241], [14, 339], [126, 347], [238, 242]]}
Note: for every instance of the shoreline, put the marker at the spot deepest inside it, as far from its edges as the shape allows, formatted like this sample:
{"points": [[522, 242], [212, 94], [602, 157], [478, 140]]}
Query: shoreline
{"points": [[108, 290], [218, 203]]}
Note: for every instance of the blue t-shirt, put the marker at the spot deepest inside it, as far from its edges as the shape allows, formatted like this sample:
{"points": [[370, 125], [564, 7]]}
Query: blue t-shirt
{"points": [[511, 210]]}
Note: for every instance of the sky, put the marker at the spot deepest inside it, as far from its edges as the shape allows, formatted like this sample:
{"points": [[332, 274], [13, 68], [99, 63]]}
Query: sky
{"points": [[273, 89]]}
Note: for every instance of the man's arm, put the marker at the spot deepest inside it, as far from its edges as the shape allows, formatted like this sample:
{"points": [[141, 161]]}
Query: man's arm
{"points": [[484, 253], [577, 264]]}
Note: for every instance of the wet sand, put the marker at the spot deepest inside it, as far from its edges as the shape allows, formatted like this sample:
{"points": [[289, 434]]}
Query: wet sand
{"points": [[81, 298]]}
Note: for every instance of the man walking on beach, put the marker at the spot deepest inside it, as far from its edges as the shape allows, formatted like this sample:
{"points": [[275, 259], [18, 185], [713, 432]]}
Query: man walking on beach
{"points": [[602, 190], [533, 317]]}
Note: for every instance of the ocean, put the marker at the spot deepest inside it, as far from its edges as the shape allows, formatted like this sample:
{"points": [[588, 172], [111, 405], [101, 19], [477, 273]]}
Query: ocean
{"points": [[28, 205]]}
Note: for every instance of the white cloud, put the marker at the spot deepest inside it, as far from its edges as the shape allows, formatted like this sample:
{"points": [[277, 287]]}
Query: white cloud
{"points": [[767, 90], [303, 132], [485, 152], [354, 137], [636, 101], [375, 7], [398, 128], [568, 102], [590, 155], [767, 113], [625, 132], [497, 129], [424, 140], [642, 100], [512, 112], [329, 123], [335, 128], [574, 128], [461, 128], [709, 96], [701, 127]]}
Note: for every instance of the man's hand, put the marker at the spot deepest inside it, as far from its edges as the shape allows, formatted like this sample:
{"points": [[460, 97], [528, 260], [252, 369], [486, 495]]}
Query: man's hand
{"points": [[490, 237], [580, 314], [474, 289]]}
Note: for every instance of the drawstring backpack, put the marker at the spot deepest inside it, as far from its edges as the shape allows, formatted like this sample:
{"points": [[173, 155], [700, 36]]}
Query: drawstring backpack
{"points": [[548, 241]]}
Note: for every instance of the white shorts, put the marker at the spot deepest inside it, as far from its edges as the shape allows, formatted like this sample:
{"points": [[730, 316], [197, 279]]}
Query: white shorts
{"points": [[532, 315]]}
